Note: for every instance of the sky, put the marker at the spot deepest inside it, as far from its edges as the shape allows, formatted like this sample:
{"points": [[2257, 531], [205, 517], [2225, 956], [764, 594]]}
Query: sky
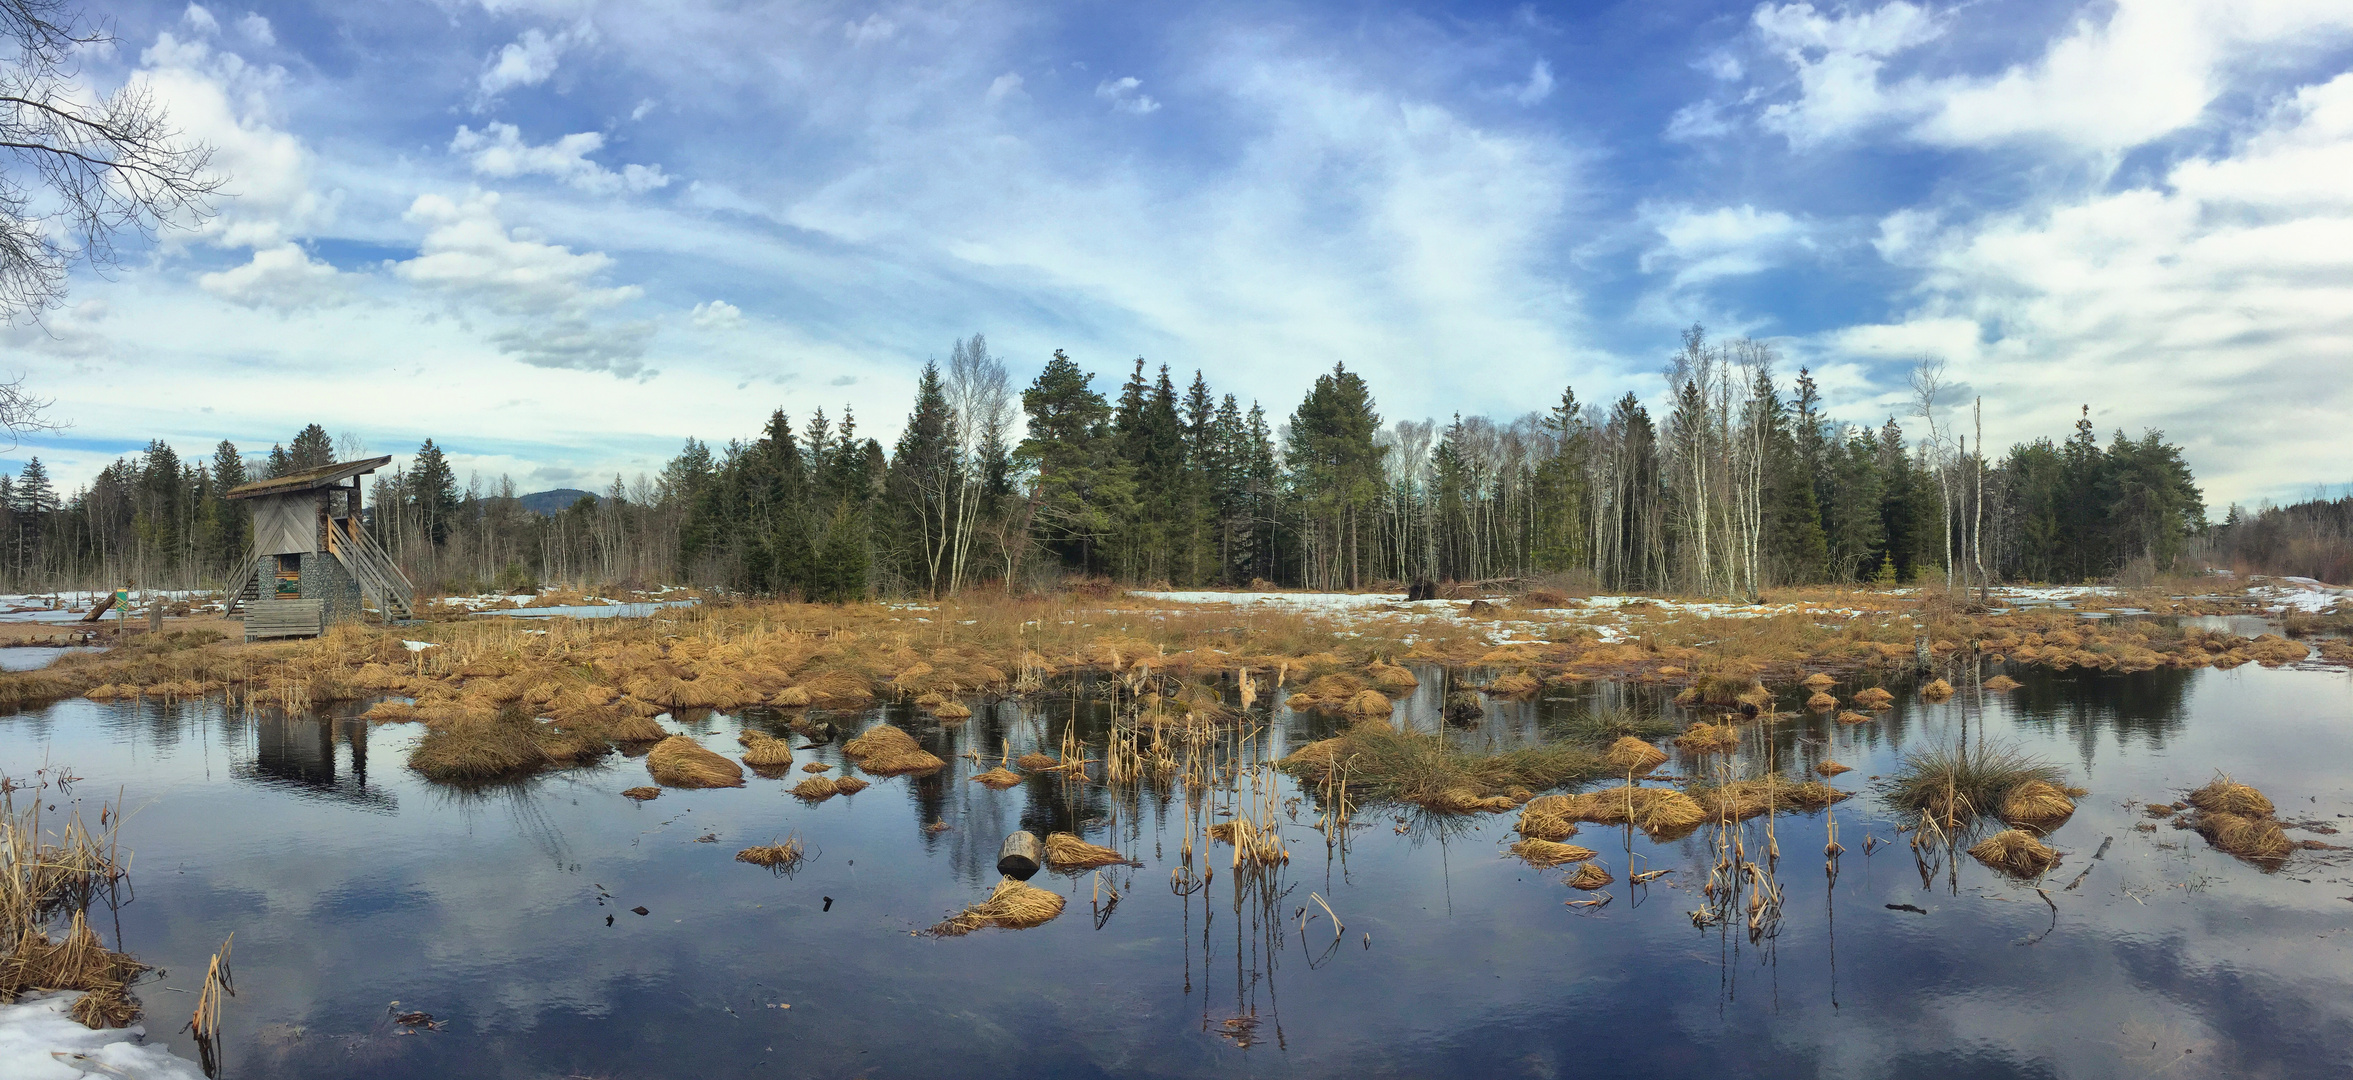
{"points": [[561, 237]]}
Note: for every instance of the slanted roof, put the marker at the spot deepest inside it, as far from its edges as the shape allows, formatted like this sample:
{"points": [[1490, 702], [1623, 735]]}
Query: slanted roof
{"points": [[310, 479]]}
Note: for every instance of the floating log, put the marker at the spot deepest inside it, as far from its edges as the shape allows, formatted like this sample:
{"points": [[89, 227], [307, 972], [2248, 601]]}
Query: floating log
{"points": [[1020, 857]]}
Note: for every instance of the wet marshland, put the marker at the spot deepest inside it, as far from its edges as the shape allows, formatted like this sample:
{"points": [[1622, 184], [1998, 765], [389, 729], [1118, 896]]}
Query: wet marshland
{"points": [[511, 913]]}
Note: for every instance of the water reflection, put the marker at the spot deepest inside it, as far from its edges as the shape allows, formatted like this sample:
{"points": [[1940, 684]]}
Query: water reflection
{"points": [[509, 910]]}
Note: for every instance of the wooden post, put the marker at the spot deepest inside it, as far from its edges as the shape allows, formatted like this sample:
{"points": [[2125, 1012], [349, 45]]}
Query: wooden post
{"points": [[1018, 859], [154, 614]]}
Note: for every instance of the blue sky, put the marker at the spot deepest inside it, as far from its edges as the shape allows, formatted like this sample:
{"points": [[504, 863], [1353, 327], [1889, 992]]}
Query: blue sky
{"points": [[561, 237]]}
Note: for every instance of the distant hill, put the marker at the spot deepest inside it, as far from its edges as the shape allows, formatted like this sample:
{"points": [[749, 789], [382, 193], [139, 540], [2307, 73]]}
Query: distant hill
{"points": [[546, 503]]}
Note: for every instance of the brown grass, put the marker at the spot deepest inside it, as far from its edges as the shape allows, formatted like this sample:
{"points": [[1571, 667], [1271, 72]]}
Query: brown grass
{"points": [[2225, 796], [887, 751], [1828, 767], [849, 785], [1656, 810], [680, 762], [1937, 690], [1706, 738], [1876, 697], [1590, 876], [1630, 755], [814, 789], [2257, 838], [1382, 764], [999, 778], [1818, 682], [1065, 851], [2001, 683], [1514, 685], [2037, 805], [1011, 906], [1034, 761], [48, 877], [1544, 824], [1854, 718], [775, 856], [1742, 799], [2015, 852], [1544, 853], [642, 794], [764, 752], [1821, 702]]}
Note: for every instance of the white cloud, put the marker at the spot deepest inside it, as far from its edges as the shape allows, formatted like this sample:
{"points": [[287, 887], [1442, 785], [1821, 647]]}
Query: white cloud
{"points": [[284, 277], [643, 107], [1005, 86], [69, 333], [2144, 70], [873, 29], [256, 29], [531, 59], [1124, 95], [216, 98], [2217, 305], [1538, 87], [1702, 245], [498, 151], [717, 315], [547, 291], [200, 20]]}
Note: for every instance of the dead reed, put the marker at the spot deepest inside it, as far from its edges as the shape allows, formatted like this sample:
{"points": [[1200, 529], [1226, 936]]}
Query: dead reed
{"points": [[47, 879]]}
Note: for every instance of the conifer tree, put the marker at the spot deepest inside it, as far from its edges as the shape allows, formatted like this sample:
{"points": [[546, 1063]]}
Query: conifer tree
{"points": [[433, 490]]}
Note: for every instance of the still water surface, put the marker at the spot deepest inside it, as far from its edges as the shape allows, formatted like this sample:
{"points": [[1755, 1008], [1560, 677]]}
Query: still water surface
{"points": [[506, 912]]}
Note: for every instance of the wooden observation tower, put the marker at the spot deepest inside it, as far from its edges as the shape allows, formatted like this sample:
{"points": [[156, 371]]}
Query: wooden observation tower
{"points": [[312, 564]]}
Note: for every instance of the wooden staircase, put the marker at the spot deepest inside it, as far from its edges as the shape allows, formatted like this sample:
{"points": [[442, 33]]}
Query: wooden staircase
{"points": [[379, 577], [248, 588]]}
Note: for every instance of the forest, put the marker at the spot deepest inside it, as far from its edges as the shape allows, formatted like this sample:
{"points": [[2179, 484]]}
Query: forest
{"points": [[1742, 484]]}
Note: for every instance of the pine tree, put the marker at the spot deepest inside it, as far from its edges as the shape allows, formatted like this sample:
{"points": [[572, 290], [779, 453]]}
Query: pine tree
{"points": [[311, 449], [1335, 465], [920, 492], [433, 490], [1082, 491]]}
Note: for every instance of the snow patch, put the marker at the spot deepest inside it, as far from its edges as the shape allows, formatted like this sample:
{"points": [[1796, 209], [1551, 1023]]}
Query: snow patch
{"points": [[39, 1041]]}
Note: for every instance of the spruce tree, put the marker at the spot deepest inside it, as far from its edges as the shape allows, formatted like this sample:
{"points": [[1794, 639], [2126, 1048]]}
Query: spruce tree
{"points": [[311, 449], [433, 490]]}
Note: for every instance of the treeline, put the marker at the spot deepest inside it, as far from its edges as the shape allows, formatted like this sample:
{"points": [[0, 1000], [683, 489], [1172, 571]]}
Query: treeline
{"points": [[2311, 539], [1743, 483]]}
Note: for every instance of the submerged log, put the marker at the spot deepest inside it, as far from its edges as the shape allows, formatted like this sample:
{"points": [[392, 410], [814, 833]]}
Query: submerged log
{"points": [[1020, 857]]}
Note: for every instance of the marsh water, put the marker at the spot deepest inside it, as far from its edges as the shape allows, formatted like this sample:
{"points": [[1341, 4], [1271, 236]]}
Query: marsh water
{"points": [[509, 913]]}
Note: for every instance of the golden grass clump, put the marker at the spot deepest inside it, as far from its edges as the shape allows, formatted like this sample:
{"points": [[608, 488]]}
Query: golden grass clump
{"points": [[632, 728], [1065, 851], [2038, 805], [1334, 691], [2000, 683], [1632, 755], [680, 762], [642, 794], [1383, 764], [849, 785], [1514, 685], [1034, 761], [44, 874], [1828, 767], [2224, 796], [1821, 701], [1547, 853], [1544, 824], [792, 697], [1655, 810], [1590, 876], [1706, 738], [1954, 783], [887, 751], [1371, 703], [953, 710], [1742, 799], [1874, 698], [1937, 690], [779, 857], [1391, 678], [764, 752], [1731, 690], [1818, 682], [815, 789], [1012, 906], [999, 778], [489, 746], [1854, 718], [2015, 852], [2258, 838]]}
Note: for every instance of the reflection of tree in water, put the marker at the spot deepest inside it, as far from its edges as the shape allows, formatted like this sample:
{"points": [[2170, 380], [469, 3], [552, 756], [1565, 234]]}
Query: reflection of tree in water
{"points": [[2144, 706], [518, 800], [299, 752]]}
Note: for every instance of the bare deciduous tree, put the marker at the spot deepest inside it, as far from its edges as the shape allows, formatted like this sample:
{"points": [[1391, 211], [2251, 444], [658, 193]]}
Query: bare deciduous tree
{"points": [[79, 170]]}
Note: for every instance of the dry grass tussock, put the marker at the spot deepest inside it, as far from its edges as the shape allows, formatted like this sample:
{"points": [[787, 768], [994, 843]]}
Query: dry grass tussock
{"points": [[780, 857], [681, 762], [888, 751], [1382, 764], [1065, 851], [999, 778], [765, 752], [1954, 785], [642, 794], [2001, 684], [2037, 805], [1739, 800], [1663, 813], [1821, 702], [1547, 853], [2015, 852], [2237, 819], [1630, 755], [1876, 697], [1706, 738], [1011, 906], [1590, 876], [48, 882], [815, 789]]}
